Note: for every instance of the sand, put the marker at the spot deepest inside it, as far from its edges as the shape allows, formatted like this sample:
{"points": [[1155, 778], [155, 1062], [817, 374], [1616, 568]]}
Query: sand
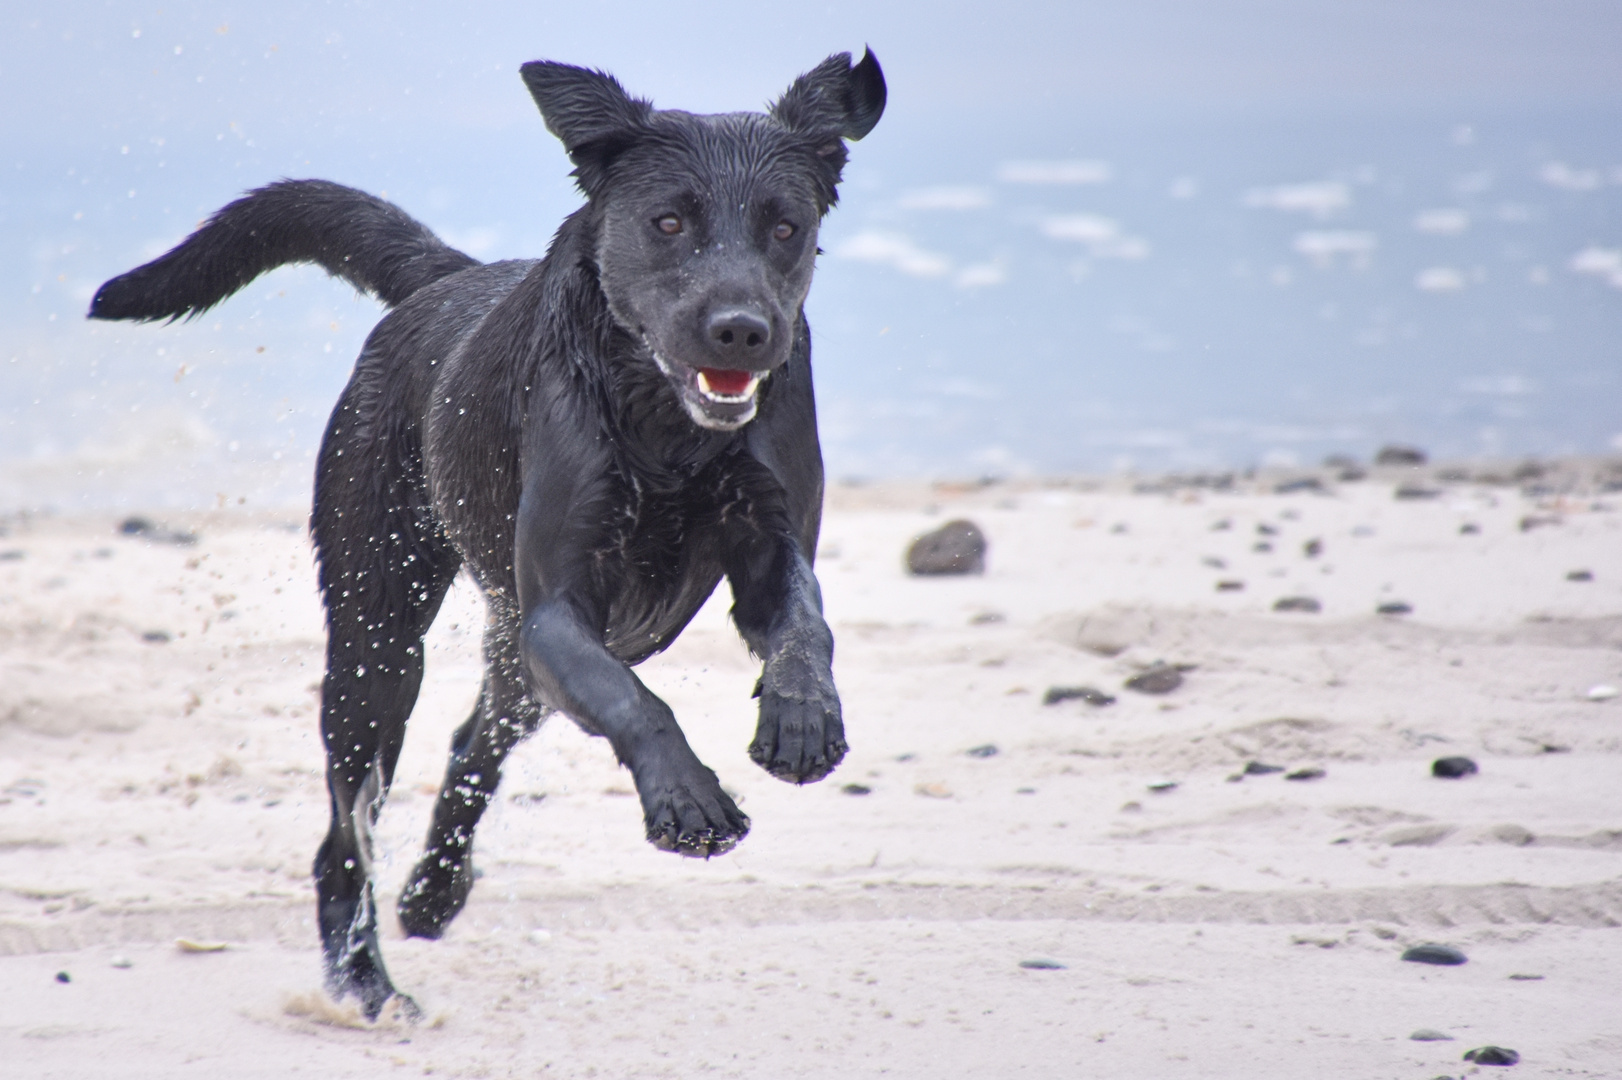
{"points": [[156, 790]]}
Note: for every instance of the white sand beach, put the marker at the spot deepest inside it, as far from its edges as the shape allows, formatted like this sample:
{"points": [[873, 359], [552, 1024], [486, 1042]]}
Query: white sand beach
{"points": [[161, 777]]}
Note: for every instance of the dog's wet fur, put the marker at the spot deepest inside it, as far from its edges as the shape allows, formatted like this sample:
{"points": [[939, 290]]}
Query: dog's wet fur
{"points": [[598, 436]]}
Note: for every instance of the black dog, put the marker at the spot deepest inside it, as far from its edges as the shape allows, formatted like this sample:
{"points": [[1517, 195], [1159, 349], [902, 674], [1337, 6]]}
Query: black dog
{"points": [[598, 436]]}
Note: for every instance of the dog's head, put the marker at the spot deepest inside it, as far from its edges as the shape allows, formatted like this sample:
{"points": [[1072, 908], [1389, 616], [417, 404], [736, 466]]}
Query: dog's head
{"points": [[707, 225]]}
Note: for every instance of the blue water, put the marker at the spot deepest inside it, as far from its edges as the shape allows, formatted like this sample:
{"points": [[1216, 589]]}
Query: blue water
{"points": [[1055, 294]]}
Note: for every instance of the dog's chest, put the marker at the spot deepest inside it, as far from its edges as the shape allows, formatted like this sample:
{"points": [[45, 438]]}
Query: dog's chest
{"points": [[659, 562]]}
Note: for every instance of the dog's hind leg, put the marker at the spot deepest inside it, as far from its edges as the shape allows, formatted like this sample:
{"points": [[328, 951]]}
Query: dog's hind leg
{"points": [[504, 715], [384, 572]]}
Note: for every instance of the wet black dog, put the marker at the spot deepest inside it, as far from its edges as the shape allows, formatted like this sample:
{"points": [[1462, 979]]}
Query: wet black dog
{"points": [[598, 436]]}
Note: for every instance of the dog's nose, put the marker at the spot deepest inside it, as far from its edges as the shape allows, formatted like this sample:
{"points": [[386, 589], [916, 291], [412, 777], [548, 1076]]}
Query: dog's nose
{"points": [[738, 333]]}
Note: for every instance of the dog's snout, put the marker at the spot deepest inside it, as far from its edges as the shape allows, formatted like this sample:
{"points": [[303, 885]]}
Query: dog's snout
{"points": [[738, 333]]}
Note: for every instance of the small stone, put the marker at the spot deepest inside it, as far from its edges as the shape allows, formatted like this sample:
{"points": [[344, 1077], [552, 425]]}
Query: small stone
{"points": [[1469, 528], [1312, 548], [1306, 774], [540, 937], [123, 963], [1158, 678], [13, 555], [1262, 547], [1412, 492], [1492, 1055], [1580, 575], [1025, 791], [856, 789], [1214, 563], [958, 547], [1041, 965], [156, 637], [1160, 787], [1394, 607], [1306, 604], [988, 750], [987, 618], [1091, 695], [1230, 585], [1397, 454], [933, 790], [1452, 768], [1256, 768], [1602, 692], [1430, 1035], [1527, 978], [1299, 484], [1265, 529], [63, 977], [1444, 955]]}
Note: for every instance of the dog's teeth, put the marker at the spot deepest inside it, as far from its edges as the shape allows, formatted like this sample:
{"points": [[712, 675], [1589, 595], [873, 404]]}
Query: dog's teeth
{"points": [[748, 390]]}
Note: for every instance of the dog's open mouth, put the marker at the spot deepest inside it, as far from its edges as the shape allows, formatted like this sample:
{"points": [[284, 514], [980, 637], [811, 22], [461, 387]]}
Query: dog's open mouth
{"points": [[726, 385], [721, 399]]}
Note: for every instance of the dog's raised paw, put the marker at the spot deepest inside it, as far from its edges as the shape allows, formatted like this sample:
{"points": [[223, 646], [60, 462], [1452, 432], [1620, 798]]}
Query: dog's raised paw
{"points": [[797, 740], [695, 819], [438, 889]]}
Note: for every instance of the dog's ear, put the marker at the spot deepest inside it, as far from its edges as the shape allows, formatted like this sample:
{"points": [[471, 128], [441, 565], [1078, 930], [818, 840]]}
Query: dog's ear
{"points": [[835, 100], [589, 112]]}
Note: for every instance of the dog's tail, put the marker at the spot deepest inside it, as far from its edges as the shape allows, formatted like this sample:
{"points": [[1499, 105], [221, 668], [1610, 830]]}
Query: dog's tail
{"points": [[373, 245]]}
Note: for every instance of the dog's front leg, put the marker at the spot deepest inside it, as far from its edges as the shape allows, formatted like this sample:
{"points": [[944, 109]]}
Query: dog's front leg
{"points": [[683, 805], [778, 609]]}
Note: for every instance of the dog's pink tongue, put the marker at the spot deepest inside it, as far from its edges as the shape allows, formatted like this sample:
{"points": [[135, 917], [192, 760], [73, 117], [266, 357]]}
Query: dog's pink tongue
{"points": [[726, 381]]}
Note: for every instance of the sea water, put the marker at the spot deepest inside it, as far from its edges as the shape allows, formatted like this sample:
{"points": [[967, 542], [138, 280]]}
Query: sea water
{"points": [[1054, 294]]}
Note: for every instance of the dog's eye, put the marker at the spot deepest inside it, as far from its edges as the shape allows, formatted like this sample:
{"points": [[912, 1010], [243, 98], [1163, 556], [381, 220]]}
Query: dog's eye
{"points": [[783, 231], [670, 224]]}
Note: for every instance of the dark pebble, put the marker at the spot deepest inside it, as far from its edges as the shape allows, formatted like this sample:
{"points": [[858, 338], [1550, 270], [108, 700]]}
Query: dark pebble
{"points": [[1265, 529], [1394, 607], [1306, 774], [156, 637], [1400, 455], [12, 555], [1305, 483], [1157, 679], [958, 547], [987, 618], [1312, 548], [1430, 1035], [1580, 575], [988, 750], [1445, 955], [1527, 978], [1041, 965], [1410, 492], [147, 529], [1091, 695], [856, 789], [1469, 528], [1451, 768], [1163, 786], [1230, 585], [1262, 547], [1256, 768], [1306, 604], [1492, 1055], [62, 977]]}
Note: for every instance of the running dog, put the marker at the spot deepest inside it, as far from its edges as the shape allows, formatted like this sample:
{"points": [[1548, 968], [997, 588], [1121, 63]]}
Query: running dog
{"points": [[598, 436]]}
